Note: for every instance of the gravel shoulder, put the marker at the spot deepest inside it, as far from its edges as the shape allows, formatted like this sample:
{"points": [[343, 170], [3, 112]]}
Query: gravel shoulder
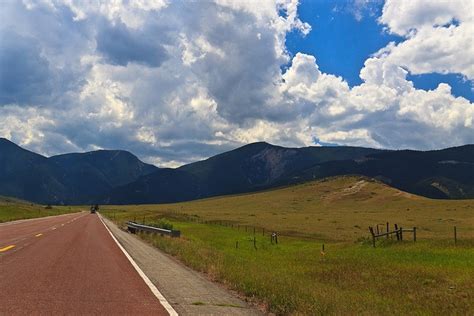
{"points": [[189, 292]]}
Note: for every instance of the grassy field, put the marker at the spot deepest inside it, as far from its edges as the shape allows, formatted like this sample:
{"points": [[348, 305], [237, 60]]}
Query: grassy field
{"points": [[431, 276], [13, 209]]}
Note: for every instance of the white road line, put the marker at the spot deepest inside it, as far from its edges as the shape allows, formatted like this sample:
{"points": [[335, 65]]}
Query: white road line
{"points": [[152, 287]]}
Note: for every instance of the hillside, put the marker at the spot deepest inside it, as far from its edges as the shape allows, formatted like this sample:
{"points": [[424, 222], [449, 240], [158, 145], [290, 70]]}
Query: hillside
{"points": [[5, 200], [12, 209], [337, 208], [163, 186], [447, 173], [26, 175], [249, 168], [65, 179], [261, 165], [119, 177], [228, 238], [93, 174]]}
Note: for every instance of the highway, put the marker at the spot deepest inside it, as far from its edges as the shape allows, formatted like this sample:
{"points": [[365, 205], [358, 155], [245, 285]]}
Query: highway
{"points": [[69, 264]]}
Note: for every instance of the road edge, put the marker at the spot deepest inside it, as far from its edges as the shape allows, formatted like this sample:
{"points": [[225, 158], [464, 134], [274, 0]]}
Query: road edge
{"points": [[142, 274]]}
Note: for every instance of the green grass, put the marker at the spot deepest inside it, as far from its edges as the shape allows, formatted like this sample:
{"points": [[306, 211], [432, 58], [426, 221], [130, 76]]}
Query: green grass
{"points": [[13, 209], [427, 277], [431, 276], [336, 209]]}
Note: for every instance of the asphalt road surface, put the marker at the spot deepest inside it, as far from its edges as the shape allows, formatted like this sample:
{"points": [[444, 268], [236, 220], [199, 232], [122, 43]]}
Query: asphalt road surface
{"points": [[68, 264]]}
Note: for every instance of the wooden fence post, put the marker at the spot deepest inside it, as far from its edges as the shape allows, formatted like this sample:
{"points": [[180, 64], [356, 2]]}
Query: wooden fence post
{"points": [[373, 235], [396, 232], [388, 229], [401, 233], [414, 234], [455, 236]]}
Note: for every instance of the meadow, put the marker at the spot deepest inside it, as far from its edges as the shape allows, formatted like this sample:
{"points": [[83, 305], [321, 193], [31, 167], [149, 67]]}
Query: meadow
{"points": [[13, 209], [295, 277]]}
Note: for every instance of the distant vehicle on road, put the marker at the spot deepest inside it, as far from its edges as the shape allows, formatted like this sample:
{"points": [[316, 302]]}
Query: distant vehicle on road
{"points": [[94, 208]]}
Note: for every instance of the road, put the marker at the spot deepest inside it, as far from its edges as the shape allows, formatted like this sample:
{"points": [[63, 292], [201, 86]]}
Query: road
{"points": [[68, 264]]}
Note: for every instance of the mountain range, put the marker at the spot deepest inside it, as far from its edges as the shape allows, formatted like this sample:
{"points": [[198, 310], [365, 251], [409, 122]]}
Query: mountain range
{"points": [[119, 177], [66, 179]]}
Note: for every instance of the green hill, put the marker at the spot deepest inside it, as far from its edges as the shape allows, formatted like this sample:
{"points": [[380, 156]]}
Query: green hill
{"points": [[338, 208], [12, 209]]}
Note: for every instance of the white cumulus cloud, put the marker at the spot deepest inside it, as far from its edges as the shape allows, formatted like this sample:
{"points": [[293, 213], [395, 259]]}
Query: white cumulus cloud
{"points": [[177, 81]]}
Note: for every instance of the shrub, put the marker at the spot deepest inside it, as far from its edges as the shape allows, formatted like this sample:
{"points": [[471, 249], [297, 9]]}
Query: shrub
{"points": [[162, 223]]}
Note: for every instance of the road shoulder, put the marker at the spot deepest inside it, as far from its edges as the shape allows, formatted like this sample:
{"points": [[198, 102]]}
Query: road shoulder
{"points": [[186, 290]]}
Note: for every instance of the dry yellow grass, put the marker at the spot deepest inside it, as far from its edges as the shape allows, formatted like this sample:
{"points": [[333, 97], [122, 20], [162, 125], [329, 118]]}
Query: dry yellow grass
{"points": [[14, 209], [431, 276], [338, 208]]}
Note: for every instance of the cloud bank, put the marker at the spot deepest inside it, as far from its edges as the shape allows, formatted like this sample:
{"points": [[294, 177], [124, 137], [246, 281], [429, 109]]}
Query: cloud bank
{"points": [[179, 81]]}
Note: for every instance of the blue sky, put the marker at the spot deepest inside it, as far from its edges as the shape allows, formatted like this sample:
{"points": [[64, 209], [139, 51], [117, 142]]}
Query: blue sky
{"points": [[344, 36], [179, 81]]}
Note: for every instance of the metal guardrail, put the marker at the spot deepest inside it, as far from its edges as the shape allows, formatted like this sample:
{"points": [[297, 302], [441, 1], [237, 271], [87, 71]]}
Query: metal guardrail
{"points": [[134, 227]]}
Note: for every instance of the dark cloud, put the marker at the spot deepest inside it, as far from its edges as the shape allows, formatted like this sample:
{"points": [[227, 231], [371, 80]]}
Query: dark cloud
{"points": [[25, 76], [241, 78], [120, 46]]}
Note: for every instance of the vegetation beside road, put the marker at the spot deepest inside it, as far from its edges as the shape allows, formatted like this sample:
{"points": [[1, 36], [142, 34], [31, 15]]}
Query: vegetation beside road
{"points": [[13, 209], [293, 277], [431, 276]]}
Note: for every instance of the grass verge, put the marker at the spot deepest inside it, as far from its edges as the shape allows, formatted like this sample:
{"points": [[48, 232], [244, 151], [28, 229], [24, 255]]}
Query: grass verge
{"points": [[12, 209], [294, 277]]}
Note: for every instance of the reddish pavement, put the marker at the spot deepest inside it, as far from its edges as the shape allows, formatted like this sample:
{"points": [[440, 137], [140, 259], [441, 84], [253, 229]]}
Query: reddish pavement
{"points": [[76, 268]]}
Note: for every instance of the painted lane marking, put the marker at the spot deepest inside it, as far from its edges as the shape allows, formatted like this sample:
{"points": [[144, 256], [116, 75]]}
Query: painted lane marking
{"points": [[152, 287], [38, 235], [7, 248]]}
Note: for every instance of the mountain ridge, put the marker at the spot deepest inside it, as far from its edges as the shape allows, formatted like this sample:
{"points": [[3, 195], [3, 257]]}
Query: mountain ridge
{"points": [[75, 178], [119, 177]]}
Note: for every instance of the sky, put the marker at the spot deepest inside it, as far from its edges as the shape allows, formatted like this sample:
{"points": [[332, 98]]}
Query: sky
{"points": [[179, 81]]}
